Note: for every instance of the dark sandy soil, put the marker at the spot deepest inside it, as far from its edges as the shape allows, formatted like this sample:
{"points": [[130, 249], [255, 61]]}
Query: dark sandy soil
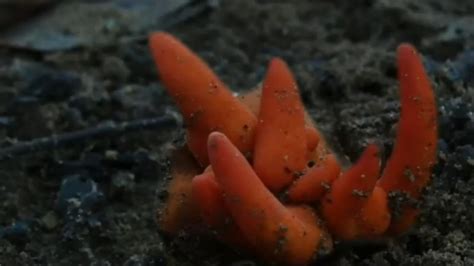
{"points": [[342, 53]]}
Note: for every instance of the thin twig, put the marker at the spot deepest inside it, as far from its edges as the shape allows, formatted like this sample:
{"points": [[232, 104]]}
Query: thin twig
{"points": [[107, 129]]}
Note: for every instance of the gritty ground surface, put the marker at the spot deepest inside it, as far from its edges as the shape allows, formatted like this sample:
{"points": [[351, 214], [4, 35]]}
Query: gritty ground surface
{"points": [[342, 53]]}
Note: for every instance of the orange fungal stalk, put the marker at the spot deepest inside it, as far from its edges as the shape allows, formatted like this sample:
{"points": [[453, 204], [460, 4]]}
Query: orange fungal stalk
{"points": [[204, 100], [343, 206], [408, 169], [209, 199], [179, 211], [277, 233], [310, 187], [281, 129]]}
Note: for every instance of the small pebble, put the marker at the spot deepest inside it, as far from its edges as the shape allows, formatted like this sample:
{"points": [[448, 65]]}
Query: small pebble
{"points": [[49, 220], [123, 184]]}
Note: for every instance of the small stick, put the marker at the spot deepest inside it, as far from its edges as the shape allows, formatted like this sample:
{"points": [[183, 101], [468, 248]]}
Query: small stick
{"points": [[107, 129]]}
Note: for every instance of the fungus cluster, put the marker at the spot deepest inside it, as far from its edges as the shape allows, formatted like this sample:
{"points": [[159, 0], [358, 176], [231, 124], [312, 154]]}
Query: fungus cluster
{"points": [[257, 171]]}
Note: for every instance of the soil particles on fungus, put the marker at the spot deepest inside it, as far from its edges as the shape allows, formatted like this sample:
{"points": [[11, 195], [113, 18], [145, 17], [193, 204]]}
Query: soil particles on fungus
{"points": [[94, 200]]}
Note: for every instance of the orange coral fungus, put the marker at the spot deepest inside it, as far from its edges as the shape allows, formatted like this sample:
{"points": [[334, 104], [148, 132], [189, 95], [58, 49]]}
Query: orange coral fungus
{"points": [[263, 177]]}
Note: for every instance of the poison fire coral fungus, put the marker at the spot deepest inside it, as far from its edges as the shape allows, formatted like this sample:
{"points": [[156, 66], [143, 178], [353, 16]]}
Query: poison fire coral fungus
{"points": [[244, 153]]}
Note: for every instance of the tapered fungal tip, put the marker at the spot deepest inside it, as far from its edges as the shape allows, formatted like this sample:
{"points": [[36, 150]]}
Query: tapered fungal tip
{"points": [[406, 53], [214, 138], [369, 161], [312, 139], [278, 67], [198, 181], [159, 35], [161, 40], [215, 141], [406, 48], [372, 150], [276, 62]]}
